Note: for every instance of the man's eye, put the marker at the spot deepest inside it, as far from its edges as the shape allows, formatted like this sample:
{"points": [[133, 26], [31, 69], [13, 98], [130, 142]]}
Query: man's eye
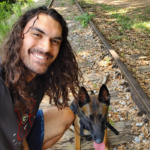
{"points": [[36, 34], [55, 42]]}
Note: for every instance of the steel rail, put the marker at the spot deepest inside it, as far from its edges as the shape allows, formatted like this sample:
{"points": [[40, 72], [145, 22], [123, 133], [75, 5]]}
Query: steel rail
{"points": [[142, 96], [50, 4]]}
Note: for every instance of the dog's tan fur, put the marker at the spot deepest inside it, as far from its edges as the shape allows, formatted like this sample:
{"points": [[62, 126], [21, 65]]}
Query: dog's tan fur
{"points": [[87, 109]]}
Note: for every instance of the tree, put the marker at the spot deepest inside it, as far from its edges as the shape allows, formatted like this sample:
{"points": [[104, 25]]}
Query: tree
{"points": [[8, 1]]}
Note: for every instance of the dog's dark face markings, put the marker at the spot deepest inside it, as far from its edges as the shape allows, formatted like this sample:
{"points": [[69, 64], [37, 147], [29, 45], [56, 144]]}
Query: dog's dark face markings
{"points": [[94, 111]]}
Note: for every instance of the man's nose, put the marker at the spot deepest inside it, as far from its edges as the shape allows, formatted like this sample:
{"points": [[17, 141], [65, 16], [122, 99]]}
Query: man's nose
{"points": [[46, 45]]}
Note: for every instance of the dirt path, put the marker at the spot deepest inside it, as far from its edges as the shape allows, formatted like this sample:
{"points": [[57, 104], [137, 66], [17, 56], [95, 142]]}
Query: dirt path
{"points": [[123, 111], [126, 32], [125, 3]]}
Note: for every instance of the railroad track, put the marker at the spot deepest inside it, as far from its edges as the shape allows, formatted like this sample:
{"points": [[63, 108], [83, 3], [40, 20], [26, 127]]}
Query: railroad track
{"points": [[99, 62], [142, 97], [50, 4]]}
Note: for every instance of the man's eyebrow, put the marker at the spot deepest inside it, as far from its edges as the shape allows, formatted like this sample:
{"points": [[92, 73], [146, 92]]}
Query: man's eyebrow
{"points": [[37, 29], [58, 38]]}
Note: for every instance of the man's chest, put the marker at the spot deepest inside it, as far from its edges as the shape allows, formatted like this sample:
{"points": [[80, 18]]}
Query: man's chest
{"points": [[26, 119]]}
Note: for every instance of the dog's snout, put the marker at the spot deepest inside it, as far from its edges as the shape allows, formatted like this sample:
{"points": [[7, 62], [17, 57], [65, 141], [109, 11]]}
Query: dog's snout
{"points": [[98, 140]]}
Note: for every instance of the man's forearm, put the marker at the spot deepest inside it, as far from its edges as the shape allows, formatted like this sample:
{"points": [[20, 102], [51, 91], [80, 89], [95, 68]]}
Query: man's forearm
{"points": [[25, 145]]}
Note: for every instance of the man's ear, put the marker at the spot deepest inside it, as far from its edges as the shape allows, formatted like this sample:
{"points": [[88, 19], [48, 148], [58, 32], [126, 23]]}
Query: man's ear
{"points": [[104, 95], [22, 35], [83, 97]]}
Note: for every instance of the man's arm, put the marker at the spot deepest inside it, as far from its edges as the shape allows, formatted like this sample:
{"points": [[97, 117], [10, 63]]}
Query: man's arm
{"points": [[25, 145]]}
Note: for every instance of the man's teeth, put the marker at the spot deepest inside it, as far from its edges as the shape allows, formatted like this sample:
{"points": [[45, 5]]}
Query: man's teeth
{"points": [[39, 56]]}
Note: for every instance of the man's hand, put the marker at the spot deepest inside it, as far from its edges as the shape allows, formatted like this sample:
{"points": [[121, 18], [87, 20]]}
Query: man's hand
{"points": [[25, 145]]}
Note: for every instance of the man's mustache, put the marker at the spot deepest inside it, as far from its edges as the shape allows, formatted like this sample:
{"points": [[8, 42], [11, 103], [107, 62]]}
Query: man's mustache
{"points": [[40, 51]]}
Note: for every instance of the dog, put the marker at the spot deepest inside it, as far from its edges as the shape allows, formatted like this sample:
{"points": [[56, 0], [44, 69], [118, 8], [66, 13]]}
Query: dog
{"points": [[92, 116]]}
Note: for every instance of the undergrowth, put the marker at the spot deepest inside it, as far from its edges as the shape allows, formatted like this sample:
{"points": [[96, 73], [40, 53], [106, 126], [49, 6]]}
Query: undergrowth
{"points": [[10, 13], [84, 18], [72, 2], [129, 18]]}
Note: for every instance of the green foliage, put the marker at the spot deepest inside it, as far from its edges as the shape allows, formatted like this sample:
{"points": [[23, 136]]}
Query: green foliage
{"points": [[74, 13], [16, 9], [114, 37], [142, 25], [95, 85], [107, 7], [147, 11], [10, 1], [89, 1], [122, 54], [138, 20], [72, 2], [81, 2], [111, 122], [121, 30], [10, 12], [84, 18], [138, 10], [108, 60], [123, 20], [6, 12], [67, 18]]}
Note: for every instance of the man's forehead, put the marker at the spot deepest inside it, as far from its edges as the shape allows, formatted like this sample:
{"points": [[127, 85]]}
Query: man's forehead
{"points": [[36, 19], [43, 20]]}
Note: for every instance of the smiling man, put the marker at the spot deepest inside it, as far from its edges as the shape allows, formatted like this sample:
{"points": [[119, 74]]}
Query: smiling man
{"points": [[38, 59], [41, 43]]}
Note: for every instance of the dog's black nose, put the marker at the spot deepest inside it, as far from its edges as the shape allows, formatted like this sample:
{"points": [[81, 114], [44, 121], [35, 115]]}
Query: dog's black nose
{"points": [[98, 141]]}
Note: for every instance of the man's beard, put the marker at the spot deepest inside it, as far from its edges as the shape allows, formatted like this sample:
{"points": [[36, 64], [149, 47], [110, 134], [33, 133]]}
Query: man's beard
{"points": [[31, 67]]}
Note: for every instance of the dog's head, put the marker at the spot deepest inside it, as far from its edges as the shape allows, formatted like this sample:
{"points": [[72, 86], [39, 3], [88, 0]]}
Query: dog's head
{"points": [[93, 111]]}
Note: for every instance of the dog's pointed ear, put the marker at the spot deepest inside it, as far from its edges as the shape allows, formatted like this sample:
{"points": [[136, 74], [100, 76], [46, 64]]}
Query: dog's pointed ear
{"points": [[83, 97], [104, 95]]}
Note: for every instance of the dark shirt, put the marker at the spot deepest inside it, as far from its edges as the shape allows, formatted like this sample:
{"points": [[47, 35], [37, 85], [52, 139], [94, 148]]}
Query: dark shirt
{"points": [[14, 126]]}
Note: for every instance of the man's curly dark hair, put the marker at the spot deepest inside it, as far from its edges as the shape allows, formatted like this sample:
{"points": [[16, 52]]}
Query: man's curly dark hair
{"points": [[61, 77]]}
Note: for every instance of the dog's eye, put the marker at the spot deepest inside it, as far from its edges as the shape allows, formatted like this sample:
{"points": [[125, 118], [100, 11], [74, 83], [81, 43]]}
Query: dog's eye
{"points": [[91, 117], [100, 116], [103, 119]]}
